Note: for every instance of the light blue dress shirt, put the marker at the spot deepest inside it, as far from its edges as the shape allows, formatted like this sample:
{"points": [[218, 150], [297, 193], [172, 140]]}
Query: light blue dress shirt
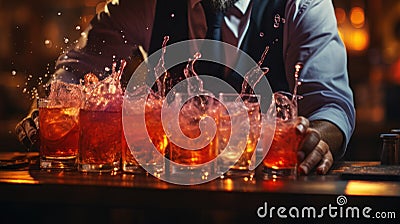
{"points": [[311, 37]]}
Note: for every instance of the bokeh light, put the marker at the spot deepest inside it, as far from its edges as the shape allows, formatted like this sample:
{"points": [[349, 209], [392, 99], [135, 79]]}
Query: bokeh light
{"points": [[357, 17]]}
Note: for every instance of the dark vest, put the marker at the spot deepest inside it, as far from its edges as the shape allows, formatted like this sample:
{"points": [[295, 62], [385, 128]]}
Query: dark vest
{"points": [[261, 33]]}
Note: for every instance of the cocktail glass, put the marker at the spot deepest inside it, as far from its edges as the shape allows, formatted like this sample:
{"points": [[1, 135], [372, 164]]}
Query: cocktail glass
{"points": [[59, 135], [100, 141], [191, 131], [243, 144], [100, 119], [281, 159], [129, 163], [139, 141]]}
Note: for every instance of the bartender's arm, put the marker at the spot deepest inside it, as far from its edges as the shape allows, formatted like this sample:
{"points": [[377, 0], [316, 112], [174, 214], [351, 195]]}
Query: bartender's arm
{"points": [[327, 107]]}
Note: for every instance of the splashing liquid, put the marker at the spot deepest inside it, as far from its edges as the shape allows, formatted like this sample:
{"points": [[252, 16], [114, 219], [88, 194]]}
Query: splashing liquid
{"points": [[161, 72], [195, 84], [278, 20], [254, 76], [104, 95], [298, 67], [116, 75], [263, 56]]}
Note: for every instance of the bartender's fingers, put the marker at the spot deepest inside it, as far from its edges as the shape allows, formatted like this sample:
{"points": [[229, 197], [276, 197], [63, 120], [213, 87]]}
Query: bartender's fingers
{"points": [[21, 135], [302, 125], [27, 132], [314, 157], [310, 141], [326, 163], [35, 117]]}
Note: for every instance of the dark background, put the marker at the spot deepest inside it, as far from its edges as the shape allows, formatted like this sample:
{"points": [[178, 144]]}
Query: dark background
{"points": [[34, 33]]}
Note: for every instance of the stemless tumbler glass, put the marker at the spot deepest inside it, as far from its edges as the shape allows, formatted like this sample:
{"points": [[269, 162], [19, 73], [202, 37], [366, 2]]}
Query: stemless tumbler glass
{"points": [[59, 134], [281, 159], [250, 108], [100, 142]]}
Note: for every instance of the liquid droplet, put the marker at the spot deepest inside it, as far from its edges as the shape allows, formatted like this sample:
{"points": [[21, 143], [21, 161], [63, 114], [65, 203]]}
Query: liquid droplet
{"points": [[77, 28], [66, 40], [261, 34], [59, 14], [48, 43], [13, 73], [277, 20], [298, 67], [172, 15]]}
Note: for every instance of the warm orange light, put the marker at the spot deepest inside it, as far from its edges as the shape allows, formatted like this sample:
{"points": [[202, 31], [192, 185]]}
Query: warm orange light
{"points": [[341, 34], [395, 72], [228, 184], [359, 40], [357, 17], [370, 188], [340, 15]]}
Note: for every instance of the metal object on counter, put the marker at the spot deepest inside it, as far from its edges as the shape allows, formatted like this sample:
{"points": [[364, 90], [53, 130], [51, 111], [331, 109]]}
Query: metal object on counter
{"points": [[397, 131], [390, 149]]}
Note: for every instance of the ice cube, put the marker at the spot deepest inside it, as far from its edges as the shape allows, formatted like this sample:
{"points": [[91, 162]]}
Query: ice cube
{"points": [[282, 107], [104, 95], [65, 94]]}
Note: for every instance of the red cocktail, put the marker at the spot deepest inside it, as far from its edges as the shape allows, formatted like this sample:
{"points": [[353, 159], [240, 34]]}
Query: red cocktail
{"points": [[144, 132], [59, 136], [281, 159], [100, 143]]}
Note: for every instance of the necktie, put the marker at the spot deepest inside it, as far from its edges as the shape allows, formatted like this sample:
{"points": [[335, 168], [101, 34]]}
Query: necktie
{"points": [[228, 35], [231, 36]]}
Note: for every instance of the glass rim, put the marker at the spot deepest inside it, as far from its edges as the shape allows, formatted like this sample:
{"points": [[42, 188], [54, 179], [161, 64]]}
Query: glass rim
{"points": [[238, 94], [43, 103]]}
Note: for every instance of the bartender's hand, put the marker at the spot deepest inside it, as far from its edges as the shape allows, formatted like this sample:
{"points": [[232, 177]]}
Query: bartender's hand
{"points": [[27, 131], [322, 141]]}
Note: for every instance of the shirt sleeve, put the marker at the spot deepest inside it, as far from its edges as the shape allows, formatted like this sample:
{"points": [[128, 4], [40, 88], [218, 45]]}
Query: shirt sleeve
{"points": [[311, 37], [114, 34]]}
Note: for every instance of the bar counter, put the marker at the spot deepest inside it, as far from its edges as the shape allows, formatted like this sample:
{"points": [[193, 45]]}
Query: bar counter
{"points": [[30, 194]]}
